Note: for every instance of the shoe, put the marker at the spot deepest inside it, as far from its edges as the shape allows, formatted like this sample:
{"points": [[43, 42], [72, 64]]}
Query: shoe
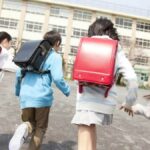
{"points": [[19, 137]]}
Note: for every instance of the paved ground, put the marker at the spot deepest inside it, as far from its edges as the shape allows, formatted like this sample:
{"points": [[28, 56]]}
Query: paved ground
{"points": [[126, 133]]}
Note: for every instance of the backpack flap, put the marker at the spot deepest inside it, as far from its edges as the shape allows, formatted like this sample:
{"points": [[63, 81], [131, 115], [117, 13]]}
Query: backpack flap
{"points": [[40, 55], [33, 54], [26, 52], [95, 61]]}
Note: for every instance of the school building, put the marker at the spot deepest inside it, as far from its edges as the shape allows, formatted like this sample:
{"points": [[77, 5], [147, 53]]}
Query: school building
{"points": [[30, 19]]}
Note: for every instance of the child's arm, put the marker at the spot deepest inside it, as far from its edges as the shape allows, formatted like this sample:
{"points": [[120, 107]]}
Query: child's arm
{"points": [[142, 110], [57, 75], [147, 97], [127, 70]]}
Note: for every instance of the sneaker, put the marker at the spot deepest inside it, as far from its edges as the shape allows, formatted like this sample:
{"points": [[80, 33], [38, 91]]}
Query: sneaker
{"points": [[19, 137]]}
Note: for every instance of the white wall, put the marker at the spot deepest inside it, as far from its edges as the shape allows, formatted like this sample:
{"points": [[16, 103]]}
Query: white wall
{"points": [[143, 35], [35, 17], [10, 14]]}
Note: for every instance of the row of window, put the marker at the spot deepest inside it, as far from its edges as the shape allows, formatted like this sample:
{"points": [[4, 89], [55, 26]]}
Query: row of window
{"points": [[143, 26], [15, 5], [59, 12], [142, 43], [32, 26], [60, 29], [37, 27], [64, 13], [35, 8], [127, 24], [8, 23], [142, 60], [123, 23], [13, 24], [77, 33]]}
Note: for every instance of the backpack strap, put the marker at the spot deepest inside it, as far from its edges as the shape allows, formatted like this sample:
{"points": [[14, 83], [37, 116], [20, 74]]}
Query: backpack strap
{"points": [[25, 70]]}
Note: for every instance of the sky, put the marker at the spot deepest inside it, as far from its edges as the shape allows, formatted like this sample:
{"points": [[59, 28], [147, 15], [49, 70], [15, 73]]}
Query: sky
{"points": [[132, 7], [143, 4]]}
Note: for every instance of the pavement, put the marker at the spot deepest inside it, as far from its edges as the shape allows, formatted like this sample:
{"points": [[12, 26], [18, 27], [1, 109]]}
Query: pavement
{"points": [[126, 133]]}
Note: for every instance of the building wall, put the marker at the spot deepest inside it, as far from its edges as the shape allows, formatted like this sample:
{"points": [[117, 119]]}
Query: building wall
{"points": [[27, 20]]}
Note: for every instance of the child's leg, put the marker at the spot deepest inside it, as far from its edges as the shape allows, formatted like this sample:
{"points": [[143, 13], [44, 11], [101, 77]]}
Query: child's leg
{"points": [[41, 118], [142, 110], [86, 137], [22, 130]]}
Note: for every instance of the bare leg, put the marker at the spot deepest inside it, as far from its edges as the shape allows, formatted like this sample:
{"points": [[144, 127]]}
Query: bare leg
{"points": [[87, 137]]}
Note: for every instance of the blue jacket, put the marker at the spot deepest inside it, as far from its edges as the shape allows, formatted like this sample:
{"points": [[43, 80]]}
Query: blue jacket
{"points": [[35, 89]]}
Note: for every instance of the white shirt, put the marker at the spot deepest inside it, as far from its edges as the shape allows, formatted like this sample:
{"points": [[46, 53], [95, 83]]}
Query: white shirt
{"points": [[3, 56], [6, 62]]}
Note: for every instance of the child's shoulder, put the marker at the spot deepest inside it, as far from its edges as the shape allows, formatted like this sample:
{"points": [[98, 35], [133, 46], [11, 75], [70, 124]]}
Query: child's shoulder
{"points": [[54, 55]]}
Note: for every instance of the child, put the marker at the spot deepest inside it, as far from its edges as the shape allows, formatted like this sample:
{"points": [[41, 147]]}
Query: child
{"points": [[5, 43], [141, 109], [36, 97], [92, 108]]}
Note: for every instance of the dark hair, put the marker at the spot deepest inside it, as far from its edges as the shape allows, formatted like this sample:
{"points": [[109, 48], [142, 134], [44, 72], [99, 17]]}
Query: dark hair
{"points": [[103, 26], [5, 35], [52, 37]]}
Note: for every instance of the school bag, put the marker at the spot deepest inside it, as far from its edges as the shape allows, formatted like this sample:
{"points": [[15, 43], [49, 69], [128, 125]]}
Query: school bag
{"points": [[95, 62], [32, 56]]}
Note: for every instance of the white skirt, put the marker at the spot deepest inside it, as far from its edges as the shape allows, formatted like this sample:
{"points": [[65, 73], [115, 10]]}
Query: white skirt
{"points": [[86, 117]]}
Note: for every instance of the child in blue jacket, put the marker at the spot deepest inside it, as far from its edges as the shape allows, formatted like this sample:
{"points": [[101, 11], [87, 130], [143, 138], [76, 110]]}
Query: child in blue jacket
{"points": [[36, 96]]}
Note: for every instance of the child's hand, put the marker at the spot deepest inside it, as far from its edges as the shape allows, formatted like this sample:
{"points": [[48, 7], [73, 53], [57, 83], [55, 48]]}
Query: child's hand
{"points": [[67, 94], [147, 97], [127, 109]]}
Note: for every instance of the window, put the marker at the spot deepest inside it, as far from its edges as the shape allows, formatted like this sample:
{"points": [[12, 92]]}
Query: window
{"points": [[141, 60], [73, 50], [77, 33], [143, 43], [144, 77], [8, 23], [60, 29], [123, 23], [14, 5], [13, 43], [33, 26], [142, 26], [59, 12], [82, 15], [125, 40], [35, 8]]}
